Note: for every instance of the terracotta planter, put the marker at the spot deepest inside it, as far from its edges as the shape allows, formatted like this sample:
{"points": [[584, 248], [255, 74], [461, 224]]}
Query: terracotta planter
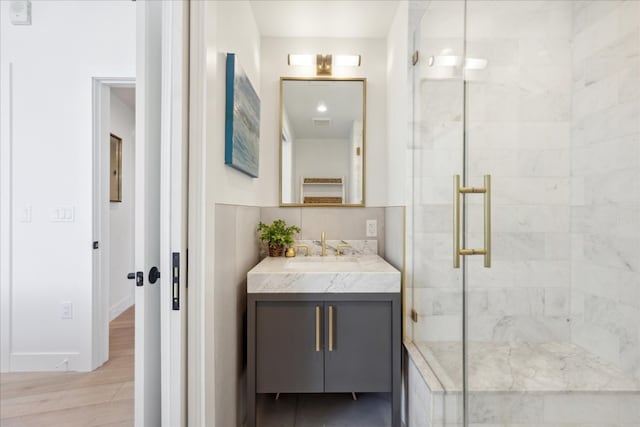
{"points": [[276, 250]]}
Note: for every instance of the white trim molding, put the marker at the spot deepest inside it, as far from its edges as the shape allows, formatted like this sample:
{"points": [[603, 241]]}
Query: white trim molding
{"points": [[6, 218], [34, 362]]}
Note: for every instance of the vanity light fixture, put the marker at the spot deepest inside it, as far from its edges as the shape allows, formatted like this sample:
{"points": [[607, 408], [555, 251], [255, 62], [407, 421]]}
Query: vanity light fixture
{"points": [[347, 60], [300, 60], [324, 62], [322, 107], [323, 65], [475, 63], [457, 61]]}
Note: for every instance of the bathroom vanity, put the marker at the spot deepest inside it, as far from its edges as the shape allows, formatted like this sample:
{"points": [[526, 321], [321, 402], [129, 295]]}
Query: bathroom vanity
{"points": [[323, 325]]}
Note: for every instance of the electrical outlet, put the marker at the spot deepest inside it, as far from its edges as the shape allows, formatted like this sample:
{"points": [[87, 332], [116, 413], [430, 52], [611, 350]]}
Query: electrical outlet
{"points": [[66, 310], [372, 228]]}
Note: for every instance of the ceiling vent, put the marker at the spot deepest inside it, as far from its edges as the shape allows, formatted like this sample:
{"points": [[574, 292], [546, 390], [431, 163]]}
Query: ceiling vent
{"points": [[321, 121]]}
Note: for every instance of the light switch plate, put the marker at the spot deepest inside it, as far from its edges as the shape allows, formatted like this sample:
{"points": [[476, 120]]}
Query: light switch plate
{"points": [[372, 228], [63, 214], [66, 310], [25, 215], [20, 12]]}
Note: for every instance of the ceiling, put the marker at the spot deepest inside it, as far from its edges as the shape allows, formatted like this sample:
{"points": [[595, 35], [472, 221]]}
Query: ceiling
{"points": [[344, 101], [335, 18]]}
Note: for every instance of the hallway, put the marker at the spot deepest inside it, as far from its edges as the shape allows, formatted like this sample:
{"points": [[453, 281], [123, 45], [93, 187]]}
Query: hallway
{"points": [[103, 397]]}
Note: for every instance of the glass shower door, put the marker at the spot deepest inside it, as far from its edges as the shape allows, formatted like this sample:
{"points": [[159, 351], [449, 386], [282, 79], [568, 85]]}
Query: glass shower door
{"points": [[438, 100]]}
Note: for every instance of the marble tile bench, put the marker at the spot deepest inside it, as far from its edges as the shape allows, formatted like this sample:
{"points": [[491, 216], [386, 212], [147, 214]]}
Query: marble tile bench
{"points": [[522, 384]]}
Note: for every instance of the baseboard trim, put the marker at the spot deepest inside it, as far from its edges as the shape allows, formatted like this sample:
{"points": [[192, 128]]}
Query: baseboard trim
{"points": [[38, 362], [118, 308]]}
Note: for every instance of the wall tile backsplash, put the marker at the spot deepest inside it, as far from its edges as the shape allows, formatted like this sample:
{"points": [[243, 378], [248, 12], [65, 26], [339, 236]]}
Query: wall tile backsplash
{"points": [[336, 223]]}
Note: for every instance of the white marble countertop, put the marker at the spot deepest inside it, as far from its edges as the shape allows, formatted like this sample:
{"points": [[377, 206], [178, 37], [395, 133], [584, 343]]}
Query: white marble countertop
{"points": [[330, 274]]}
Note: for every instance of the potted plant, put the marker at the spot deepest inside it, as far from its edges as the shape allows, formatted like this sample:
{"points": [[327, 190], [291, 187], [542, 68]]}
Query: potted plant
{"points": [[277, 236]]}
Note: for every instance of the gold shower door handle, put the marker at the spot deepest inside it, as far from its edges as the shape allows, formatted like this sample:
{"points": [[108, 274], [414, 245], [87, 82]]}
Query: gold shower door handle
{"points": [[318, 329], [457, 250]]}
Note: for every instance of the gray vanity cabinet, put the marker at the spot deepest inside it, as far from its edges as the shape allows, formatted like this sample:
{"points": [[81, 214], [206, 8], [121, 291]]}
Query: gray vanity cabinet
{"points": [[286, 355], [358, 353], [315, 343]]}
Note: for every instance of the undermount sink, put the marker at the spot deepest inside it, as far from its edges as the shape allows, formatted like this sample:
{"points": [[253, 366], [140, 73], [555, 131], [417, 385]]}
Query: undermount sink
{"points": [[316, 274], [321, 263]]}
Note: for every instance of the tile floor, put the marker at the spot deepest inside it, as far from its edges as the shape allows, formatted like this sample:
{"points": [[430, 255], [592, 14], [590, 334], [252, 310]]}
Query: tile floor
{"points": [[324, 410]]}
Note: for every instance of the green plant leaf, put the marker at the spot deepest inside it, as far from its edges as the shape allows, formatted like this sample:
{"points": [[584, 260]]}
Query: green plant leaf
{"points": [[278, 233]]}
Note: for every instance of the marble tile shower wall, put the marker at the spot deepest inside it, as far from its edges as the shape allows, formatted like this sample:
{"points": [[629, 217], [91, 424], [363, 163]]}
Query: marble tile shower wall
{"points": [[519, 131], [519, 121], [605, 181]]}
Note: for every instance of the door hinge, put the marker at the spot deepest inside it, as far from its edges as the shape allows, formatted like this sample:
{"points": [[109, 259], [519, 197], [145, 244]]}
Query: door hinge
{"points": [[175, 281], [415, 57], [414, 316]]}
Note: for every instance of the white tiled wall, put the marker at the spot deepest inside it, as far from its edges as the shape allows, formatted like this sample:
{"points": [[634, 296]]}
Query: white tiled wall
{"points": [[605, 181]]}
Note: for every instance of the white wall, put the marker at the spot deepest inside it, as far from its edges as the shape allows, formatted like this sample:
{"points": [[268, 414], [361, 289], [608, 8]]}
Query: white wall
{"points": [[47, 164], [235, 32], [228, 26], [274, 65], [398, 98], [320, 158], [121, 214]]}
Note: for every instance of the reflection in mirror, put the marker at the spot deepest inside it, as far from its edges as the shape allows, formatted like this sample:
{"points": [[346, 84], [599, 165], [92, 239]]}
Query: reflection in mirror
{"points": [[322, 140]]}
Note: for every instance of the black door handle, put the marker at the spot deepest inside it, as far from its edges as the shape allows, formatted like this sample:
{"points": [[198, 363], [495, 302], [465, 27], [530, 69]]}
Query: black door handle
{"points": [[154, 275], [139, 276]]}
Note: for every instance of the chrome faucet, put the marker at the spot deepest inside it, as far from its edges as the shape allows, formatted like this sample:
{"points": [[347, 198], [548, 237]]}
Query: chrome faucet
{"points": [[323, 243]]}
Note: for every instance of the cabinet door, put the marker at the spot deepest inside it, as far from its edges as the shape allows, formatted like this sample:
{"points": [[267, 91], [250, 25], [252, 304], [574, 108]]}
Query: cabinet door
{"points": [[358, 358], [288, 359]]}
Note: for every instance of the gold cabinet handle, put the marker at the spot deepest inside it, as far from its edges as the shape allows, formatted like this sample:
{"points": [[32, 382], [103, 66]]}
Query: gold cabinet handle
{"points": [[318, 329], [457, 250], [330, 328]]}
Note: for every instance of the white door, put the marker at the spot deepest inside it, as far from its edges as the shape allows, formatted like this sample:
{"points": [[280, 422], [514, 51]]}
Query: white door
{"points": [[160, 216], [147, 215]]}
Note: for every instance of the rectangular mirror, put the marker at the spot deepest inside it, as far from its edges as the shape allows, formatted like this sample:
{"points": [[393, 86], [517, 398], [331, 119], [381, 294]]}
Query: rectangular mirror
{"points": [[322, 141]]}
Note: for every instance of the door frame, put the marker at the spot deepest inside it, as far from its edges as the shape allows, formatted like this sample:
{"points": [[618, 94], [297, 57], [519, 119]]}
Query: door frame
{"points": [[198, 347], [100, 287], [174, 136]]}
